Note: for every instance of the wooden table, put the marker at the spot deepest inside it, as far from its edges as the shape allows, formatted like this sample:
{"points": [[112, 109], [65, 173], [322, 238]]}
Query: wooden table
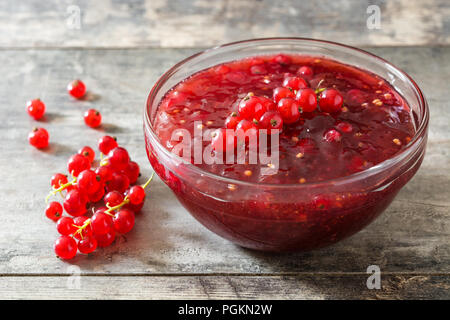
{"points": [[170, 255]]}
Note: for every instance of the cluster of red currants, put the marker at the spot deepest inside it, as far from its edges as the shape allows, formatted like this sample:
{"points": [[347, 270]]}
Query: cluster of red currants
{"points": [[107, 191], [286, 107], [39, 137]]}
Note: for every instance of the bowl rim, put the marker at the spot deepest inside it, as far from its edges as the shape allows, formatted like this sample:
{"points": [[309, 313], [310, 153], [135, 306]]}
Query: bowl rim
{"points": [[410, 148]]}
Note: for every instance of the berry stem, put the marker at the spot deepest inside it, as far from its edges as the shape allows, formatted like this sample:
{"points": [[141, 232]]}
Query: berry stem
{"points": [[81, 228], [148, 181], [60, 189]]}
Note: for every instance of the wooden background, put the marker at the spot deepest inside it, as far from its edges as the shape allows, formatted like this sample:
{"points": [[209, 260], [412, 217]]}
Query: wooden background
{"points": [[120, 50]]}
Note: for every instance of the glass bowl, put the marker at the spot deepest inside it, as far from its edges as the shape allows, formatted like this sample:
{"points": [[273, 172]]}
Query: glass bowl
{"points": [[274, 217]]}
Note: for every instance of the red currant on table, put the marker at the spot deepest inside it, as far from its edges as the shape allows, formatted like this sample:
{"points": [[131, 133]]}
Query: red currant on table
{"points": [[38, 138], [104, 240], [101, 222], [124, 221], [57, 180], [251, 108], [113, 198], [330, 100], [65, 247], [54, 211], [305, 71], [88, 182], [106, 144], [332, 136], [77, 89], [92, 118], [85, 230], [105, 173], [75, 203], [65, 226], [119, 182], [223, 140], [87, 152], [87, 245], [136, 195], [306, 99], [289, 110], [281, 93], [132, 171], [295, 83], [232, 121], [118, 158], [36, 108], [77, 163], [270, 121]]}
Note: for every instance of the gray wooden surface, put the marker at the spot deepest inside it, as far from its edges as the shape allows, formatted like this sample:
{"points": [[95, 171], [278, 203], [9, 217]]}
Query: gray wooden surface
{"points": [[168, 254], [200, 23]]}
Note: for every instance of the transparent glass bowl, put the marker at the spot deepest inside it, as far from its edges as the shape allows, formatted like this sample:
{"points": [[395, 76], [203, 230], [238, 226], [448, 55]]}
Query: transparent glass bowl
{"points": [[281, 217]]}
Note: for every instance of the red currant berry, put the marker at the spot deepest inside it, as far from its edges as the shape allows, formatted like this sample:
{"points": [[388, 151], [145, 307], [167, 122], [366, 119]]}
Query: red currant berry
{"points": [[76, 89], [38, 138], [321, 203], [232, 121], [36, 109], [104, 240], [54, 211], [223, 140], [295, 83], [65, 226], [105, 173], [119, 182], [101, 223], [268, 104], [136, 194], [124, 221], [106, 144], [258, 70], [88, 153], [282, 59], [87, 245], [65, 247], [92, 118], [251, 108], [97, 195], [330, 100], [75, 203], [134, 207], [332, 136], [87, 231], [132, 171], [355, 96], [305, 71], [307, 100], [271, 120], [88, 182], [281, 93], [77, 163], [118, 158], [344, 127], [113, 198], [289, 110], [57, 180]]}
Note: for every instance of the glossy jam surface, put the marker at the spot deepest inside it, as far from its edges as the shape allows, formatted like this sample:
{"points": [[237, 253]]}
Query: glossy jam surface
{"points": [[374, 122]]}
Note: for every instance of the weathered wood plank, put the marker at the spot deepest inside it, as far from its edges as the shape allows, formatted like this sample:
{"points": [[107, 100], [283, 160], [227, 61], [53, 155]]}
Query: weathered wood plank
{"points": [[317, 287], [181, 23], [412, 236]]}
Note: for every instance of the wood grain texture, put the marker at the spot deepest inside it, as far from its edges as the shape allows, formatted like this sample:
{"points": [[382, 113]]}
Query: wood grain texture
{"points": [[317, 287], [200, 23], [411, 236]]}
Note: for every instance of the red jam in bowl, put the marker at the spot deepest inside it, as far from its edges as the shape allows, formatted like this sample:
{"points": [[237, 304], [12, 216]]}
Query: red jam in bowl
{"points": [[334, 121]]}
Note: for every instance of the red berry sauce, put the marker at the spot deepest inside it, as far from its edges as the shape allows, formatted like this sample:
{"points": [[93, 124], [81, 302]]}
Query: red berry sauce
{"points": [[343, 120]]}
